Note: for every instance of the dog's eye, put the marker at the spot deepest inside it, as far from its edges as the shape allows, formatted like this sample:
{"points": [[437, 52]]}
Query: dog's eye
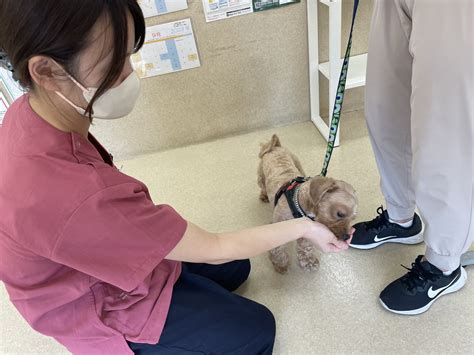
{"points": [[341, 215]]}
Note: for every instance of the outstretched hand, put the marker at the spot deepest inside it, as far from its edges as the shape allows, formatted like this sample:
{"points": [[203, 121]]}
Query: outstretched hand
{"points": [[325, 240]]}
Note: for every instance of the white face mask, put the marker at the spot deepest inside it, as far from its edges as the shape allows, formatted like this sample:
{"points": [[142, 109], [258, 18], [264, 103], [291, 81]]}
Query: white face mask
{"points": [[115, 103]]}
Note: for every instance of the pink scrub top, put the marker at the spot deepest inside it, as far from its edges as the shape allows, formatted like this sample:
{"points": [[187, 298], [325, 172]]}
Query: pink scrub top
{"points": [[82, 245]]}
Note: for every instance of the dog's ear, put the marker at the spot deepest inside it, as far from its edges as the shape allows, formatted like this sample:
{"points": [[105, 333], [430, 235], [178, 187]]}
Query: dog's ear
{"points": [[319, 186]]}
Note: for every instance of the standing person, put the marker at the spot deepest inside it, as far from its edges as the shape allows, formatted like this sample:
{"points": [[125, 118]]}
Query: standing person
{"points": [[419, 107], [85, 255]]}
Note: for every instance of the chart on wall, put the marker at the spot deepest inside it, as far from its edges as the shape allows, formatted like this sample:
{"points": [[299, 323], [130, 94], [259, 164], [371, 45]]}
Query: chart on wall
{"points": [[168, 48], [10, 90], [152, 8], [260, 5], [222, 9]]}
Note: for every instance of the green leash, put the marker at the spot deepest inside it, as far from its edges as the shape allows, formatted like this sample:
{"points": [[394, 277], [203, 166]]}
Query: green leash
{"points": [[341, 87]]}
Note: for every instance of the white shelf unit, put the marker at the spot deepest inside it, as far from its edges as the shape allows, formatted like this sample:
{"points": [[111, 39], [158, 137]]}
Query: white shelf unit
{"points": [[331, 69]]}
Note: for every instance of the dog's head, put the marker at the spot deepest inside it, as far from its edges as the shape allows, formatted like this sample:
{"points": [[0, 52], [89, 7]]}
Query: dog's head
{"points": [[334, 204]]}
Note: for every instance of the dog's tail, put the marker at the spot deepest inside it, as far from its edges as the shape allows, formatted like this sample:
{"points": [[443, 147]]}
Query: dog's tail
{"points": [[268, 147]]}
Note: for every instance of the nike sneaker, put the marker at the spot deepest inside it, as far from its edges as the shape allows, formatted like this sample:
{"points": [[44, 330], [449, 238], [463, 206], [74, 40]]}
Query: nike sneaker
{"points": [[415, 292], [380, 230]]}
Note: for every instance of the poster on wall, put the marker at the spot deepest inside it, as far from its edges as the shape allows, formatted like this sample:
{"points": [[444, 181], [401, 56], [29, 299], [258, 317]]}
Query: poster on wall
{"points": [[168, 48], [10, 90], [152, 8], [260, 5], [222, 9]]}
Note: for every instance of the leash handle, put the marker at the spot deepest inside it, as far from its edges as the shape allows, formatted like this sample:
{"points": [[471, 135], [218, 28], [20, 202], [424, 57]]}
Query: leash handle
{"points": [[341, 87]]}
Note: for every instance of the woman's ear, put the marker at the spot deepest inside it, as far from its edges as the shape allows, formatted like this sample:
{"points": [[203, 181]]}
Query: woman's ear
{"points": [[319, 186], [44, 72]]}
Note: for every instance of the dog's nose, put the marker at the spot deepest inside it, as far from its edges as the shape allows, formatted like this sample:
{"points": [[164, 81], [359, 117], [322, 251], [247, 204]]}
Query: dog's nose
{"points": [[345, 237]]}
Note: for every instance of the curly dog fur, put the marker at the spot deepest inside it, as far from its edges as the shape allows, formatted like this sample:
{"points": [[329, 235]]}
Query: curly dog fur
{"points": [[332, 202]]}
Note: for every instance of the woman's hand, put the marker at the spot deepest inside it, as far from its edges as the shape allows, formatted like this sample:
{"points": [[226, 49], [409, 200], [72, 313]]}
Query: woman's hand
{"points": [[325, 240]]}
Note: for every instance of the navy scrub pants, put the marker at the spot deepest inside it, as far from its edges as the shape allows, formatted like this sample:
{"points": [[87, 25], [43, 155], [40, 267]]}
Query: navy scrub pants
{"points": [[205, 317]]}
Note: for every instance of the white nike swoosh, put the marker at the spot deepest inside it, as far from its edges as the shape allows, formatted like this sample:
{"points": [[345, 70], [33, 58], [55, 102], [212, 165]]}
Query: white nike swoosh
{"points": [[433, 293], [377, 239]]}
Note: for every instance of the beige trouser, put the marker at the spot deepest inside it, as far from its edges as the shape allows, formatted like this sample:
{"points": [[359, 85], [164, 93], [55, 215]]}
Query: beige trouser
{"points": [[419, 108]]}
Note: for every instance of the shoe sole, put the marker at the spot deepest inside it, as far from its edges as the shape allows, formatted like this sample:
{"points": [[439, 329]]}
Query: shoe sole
{"points": [[453, 288], [415, 239]]}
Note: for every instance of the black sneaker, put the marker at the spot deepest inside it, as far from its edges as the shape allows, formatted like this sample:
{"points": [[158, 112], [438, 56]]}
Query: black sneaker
{"points": [[415, 292], [380, 230]]}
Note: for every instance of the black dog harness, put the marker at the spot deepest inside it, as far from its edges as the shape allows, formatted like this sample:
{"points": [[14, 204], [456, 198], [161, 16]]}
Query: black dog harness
{"points": [[291, 190]]}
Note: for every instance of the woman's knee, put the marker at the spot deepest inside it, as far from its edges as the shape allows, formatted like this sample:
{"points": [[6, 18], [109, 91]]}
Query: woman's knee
{"points": [[240, 274], [269, 327], [263, 329], [268, 323], [262, 320], [245, 268]]}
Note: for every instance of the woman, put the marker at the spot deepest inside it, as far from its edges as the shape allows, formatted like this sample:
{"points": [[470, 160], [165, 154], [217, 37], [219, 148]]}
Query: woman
{"points": [[85, 255]]}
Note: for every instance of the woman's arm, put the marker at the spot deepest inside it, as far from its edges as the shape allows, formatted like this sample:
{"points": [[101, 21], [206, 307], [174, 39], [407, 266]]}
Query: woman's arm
{"points": [[200, 246]]}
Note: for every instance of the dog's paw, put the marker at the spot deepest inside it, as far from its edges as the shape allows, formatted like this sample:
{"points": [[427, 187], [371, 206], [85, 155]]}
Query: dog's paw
{"points": [[280, 260], [264, 197], [309, 263], [281, 269]]}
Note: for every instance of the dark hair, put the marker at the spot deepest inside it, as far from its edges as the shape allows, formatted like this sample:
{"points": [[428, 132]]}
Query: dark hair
{"points": [[59, 29]]}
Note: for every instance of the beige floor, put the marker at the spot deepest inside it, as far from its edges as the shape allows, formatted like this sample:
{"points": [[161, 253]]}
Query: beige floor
{"points": [[333, 311]]}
